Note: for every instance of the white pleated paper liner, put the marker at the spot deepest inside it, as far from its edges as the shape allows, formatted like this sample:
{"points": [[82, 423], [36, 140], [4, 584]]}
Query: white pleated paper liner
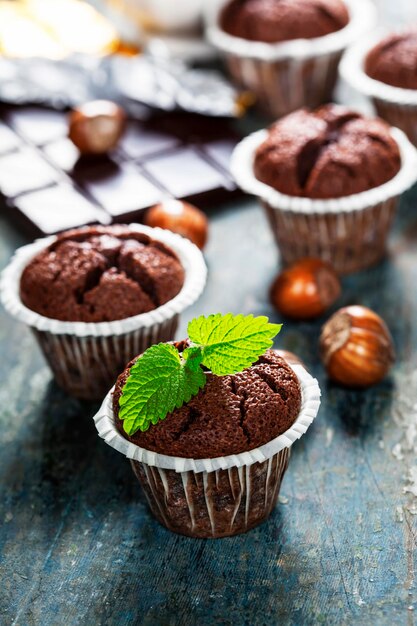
{"points": [[363, 16], [242, 171], [352, 70], [189, 255], [310, 391]]}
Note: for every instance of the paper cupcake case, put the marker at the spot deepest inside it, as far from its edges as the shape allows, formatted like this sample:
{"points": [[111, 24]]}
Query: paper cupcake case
{"points": [[286, 85], [289, 75], [86, 366], [217, 504], [216, 497], [350, 232], [86, 358], [397, 106], [349, 241]]}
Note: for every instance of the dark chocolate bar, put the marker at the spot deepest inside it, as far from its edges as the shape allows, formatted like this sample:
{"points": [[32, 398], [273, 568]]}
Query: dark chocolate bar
{"points": [[48, 187]]}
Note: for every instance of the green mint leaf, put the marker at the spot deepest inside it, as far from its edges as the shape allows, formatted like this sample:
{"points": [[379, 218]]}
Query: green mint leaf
{"points": [[231, 343], [162, 379], [159, 382], [193, 357]]}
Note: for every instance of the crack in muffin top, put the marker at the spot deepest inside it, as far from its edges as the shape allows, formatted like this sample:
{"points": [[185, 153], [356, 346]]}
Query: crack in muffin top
{"points": [[231, 414], [101, 274], [328, 153]]}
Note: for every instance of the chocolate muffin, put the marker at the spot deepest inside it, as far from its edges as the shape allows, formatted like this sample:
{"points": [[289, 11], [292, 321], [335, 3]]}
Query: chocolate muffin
{"points": [[273, 21], [231, 414], [394, 60], [328, 153], [101, 274]]}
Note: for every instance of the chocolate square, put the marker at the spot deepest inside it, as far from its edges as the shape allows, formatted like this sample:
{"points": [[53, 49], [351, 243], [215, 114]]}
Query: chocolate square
{"points": [[57, 208], [220, 151], [8, 140], [23, 171], [38, 125], [185, 173], [121, 189], [63, 154], [139, 142]]}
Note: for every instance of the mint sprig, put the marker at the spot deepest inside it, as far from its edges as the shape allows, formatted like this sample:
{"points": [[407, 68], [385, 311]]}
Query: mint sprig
{"points": [[231, 343], [162, 379], [159, 382]]}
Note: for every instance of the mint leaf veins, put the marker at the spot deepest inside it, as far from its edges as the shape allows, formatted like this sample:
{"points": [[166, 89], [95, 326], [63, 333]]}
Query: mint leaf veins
{"points": [[231, 343], [162, 379], [159, 382]]}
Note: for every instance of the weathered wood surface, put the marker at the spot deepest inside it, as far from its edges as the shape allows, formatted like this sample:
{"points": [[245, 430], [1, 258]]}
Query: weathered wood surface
{"points": [[78, 545]]}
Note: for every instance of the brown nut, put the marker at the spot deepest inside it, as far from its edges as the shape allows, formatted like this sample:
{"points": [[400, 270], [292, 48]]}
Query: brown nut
{"points": [[305, 290], [356, 347], [180, 217], [290, 357], [96, 127]]}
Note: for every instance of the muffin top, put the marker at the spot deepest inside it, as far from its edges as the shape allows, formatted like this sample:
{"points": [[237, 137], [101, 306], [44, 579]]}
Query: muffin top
{"points": [[101, 274], [394, 60], [231, 414], [273, 21], [328, 153]]}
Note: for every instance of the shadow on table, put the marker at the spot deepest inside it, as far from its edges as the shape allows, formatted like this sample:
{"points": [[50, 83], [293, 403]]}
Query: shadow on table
{"points": [[360, 413], [382, 288], [61, 458], [196, 581], [73, 456], [68, 435], [374, 287], [58, 437]]}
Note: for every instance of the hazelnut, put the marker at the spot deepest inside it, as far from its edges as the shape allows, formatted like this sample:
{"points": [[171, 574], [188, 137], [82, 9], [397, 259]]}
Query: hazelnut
{"points": [[290, 357], [306, 289], [356, 347], [180, 217], [96, 127]]}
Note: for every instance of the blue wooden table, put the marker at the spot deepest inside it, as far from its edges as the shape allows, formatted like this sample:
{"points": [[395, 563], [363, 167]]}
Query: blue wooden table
{"points": [[78, 545]]}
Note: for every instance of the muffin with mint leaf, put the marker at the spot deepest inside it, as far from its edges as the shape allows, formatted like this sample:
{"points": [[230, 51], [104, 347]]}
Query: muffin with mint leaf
{"points": [[208, 424]]}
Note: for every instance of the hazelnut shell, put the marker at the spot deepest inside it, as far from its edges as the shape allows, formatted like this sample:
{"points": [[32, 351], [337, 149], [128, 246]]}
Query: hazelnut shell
{"points": [[182, 218], [306, 289], [96, 127], [356, 347]]}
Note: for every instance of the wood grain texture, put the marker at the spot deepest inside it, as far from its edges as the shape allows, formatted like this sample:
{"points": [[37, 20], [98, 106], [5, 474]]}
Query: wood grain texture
{"points": [[78, 545]]}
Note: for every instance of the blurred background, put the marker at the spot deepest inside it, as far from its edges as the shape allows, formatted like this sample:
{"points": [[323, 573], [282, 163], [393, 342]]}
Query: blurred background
{"points": [[152, 58]]}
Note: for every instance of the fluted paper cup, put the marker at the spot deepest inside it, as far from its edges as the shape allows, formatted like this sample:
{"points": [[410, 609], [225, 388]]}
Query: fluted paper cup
{"points": [[349, 232], [289, 75], [216, 497], [86, 358], [396, 105]]}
